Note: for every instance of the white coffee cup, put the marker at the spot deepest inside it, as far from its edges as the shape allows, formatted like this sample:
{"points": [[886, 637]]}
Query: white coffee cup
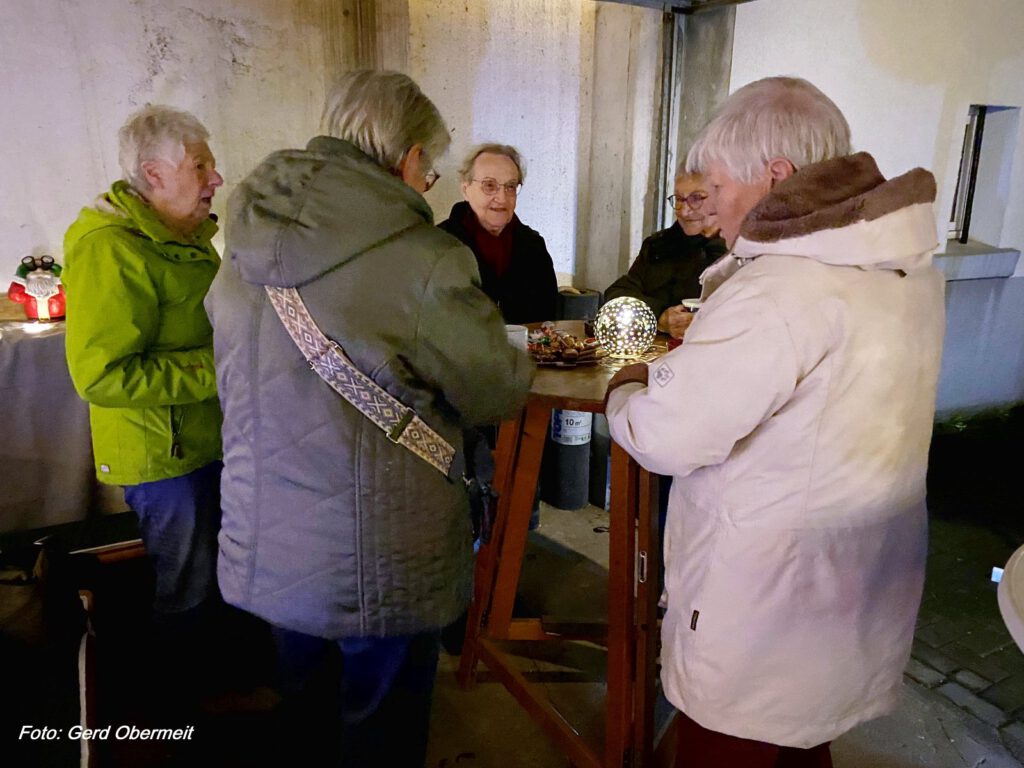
{"points": [[516, 336], [691, 305]]}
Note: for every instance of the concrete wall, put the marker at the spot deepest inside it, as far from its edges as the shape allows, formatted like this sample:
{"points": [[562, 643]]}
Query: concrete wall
{"points": [[252, 70], [510, 72], [905, 74], [572, 85], [983, 358], [255, 72]]}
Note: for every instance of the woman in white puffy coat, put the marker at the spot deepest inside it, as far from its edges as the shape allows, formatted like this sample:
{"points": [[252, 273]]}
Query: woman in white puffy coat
{"points": [[796, 419]]}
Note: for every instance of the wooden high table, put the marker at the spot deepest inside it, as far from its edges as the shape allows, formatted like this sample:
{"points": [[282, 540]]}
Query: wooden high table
{"points": [[630, 635]]}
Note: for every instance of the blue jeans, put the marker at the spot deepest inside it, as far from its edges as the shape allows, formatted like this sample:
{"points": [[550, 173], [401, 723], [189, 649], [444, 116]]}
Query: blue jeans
{"points": [[363, 702], [179, 519]]}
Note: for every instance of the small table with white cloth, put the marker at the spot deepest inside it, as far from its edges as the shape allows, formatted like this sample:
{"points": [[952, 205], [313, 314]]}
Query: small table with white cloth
{"points": [[46, 467]]}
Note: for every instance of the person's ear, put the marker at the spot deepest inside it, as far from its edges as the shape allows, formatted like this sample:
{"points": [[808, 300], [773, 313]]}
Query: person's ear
{"points": [[409, 165], [780, 168], [153, 173]]}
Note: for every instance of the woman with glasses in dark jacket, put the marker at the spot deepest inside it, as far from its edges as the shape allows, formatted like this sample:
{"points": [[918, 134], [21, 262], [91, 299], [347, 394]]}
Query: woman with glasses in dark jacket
{"points": [[668, 270], [671, 261], [515, 267]]}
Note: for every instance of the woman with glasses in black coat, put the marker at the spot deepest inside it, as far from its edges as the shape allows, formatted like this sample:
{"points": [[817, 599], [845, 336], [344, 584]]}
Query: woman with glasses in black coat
{"points": [[515, 267]]}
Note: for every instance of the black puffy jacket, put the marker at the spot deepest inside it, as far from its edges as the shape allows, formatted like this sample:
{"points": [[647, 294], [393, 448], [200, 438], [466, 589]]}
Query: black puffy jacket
{"points": [[667, 269], [528, 291]]}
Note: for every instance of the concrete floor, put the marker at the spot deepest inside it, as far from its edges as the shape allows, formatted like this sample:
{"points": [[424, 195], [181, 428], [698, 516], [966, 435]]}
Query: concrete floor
{"points": [[565, 568]]}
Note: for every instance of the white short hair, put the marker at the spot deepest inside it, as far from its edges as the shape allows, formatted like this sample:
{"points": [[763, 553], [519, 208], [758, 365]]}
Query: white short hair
{"points": [[774, 117], [490, 148], [156, 132], [384, 114]]}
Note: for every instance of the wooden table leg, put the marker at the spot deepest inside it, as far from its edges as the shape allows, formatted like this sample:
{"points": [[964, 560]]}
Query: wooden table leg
{"points": [[632, 624], [621, 608], [647, 634], [523, 490], [540, 708], [506, 451]]}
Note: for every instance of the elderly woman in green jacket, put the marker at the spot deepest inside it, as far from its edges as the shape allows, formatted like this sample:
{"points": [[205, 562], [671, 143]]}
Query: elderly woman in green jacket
{"points": [[138, 263]]}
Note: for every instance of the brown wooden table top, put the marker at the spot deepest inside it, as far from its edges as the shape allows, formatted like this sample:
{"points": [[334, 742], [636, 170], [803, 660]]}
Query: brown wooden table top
{"points": [[10, 310], [582, 388]]}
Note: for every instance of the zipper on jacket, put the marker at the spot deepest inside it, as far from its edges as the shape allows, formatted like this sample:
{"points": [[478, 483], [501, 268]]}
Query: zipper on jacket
{"points": [[693, 620]]}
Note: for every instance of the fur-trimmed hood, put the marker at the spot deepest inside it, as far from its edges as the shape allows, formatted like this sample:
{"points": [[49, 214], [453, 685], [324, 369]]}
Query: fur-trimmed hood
{"points": [[845, 213]]}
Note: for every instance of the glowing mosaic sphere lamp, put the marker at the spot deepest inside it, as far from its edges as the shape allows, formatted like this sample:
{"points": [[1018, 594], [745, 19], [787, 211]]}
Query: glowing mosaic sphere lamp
{"points": [[625, 327]]}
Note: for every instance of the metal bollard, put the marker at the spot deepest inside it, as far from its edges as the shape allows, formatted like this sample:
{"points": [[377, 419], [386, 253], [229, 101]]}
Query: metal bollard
{"points": [[566, 468]]}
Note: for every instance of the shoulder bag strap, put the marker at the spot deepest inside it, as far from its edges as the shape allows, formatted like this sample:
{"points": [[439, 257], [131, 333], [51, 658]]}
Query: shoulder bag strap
{"points": [[329, 361]]}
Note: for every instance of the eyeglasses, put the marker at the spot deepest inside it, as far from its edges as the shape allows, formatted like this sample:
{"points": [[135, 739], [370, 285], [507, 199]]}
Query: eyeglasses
{"points": [[431, 177], [490, 187], [694, 200]]}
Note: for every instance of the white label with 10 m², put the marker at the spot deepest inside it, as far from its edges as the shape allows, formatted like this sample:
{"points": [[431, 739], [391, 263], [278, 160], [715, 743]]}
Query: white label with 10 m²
{"points": [[571, 427]]}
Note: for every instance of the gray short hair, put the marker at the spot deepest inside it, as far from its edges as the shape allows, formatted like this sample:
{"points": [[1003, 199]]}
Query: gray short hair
{"points": [[505, 150], [156, 132], [774, 117], [384, 114]]}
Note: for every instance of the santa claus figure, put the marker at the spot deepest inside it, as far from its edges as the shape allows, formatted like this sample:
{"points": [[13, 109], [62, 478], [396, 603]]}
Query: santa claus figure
{"points": [[38, 289]]}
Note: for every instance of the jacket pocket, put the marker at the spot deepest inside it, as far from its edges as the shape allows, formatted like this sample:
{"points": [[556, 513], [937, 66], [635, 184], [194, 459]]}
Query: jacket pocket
{"points": [[175, 418]]}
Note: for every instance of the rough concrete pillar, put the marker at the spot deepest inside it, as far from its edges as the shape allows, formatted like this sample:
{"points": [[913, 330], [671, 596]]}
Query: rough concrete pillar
{"points": [[384, 34], [364, 34], [619, 124], [703, 71], [339, 22]]}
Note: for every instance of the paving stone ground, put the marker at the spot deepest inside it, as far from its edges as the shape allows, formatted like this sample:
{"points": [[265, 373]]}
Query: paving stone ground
{"points": [[962, 650]]}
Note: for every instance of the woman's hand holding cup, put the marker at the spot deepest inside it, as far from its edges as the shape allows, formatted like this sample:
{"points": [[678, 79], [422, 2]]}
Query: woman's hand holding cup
{"points": [[674, 321]]}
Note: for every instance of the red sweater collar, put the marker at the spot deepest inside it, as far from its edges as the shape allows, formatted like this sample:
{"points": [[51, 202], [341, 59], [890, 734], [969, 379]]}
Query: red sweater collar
{"points": [[493, 250]]}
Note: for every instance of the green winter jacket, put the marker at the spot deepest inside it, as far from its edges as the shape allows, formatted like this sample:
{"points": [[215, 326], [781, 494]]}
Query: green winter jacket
{"points": [[139, 343]]}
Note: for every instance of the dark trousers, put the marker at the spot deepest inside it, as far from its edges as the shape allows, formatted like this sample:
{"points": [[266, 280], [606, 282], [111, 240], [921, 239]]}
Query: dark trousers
{"points": [[664, 487], [179, 519], [699, 747], [356, 703]]}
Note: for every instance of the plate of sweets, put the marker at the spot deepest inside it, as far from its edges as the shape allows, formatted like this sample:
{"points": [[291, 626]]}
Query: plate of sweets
{"points": [[559, 349]]}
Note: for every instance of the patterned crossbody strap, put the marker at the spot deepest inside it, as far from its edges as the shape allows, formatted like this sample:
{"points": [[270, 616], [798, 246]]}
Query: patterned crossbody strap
{"points": [[331, 364]]}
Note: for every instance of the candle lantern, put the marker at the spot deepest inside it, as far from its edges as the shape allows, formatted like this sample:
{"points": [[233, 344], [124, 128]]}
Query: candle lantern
{"points": [[625, 327]]}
